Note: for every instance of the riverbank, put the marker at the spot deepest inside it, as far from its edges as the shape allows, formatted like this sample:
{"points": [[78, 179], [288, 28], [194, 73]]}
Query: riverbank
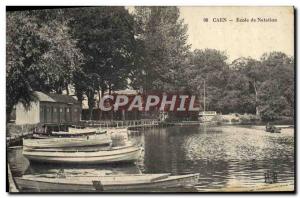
{"points": [[241, 119]]}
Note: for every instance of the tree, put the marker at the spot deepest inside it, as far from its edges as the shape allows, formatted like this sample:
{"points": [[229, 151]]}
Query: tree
{"points": [[40, 55], [208, 65], [254, 73], [106, 38], [277, 92], [164, 38]]}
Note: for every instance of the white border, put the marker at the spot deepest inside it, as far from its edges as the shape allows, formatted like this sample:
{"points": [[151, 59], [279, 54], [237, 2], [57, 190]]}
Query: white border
{"points": [[4, 3]]}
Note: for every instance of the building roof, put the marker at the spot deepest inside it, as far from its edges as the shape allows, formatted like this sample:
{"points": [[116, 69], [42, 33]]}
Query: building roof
{"points": [[127, 92], [123, 92], [55, 98]]}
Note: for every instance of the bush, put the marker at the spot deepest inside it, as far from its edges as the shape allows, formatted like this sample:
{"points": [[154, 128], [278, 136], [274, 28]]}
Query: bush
{"points": [[249, 118]]}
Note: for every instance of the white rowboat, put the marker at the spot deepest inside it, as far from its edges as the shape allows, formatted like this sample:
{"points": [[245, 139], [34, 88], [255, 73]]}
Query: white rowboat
{"points": [[113, 155], [82, 131], [92, 140], [106, 183]]}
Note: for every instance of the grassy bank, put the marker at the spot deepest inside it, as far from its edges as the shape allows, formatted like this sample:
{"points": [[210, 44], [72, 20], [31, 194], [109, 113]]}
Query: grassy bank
{"points": [[236, 118]]}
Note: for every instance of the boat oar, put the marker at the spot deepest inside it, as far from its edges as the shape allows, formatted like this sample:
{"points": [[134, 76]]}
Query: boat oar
{"points": [[98, 186]]}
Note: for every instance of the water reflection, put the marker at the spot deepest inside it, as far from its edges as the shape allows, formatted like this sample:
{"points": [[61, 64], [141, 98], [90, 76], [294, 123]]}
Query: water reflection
{"points": [[224, 156]]}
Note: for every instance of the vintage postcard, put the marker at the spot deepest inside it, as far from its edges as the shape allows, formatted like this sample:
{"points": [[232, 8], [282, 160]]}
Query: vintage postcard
{"points": [[150, 99]]}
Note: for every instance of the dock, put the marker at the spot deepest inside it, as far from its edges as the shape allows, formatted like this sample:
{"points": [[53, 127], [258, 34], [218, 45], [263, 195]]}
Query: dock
{"points": [[15, 138], [144, 123], [186, 123]]}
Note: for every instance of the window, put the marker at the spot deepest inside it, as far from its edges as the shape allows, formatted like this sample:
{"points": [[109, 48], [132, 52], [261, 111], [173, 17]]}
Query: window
{"points": [[75, 110], [68, 110], [60, 109], [54, 109]]}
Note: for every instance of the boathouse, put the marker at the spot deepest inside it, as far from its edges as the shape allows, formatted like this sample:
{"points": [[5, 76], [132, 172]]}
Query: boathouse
{"points": [[120, 114], [49, 109]]}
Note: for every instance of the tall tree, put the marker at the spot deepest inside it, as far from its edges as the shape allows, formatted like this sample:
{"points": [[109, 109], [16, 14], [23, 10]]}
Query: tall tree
{"points": [[41, 55], [254, 73], [208, 66], [106, 38], [164, 36], [277, 92]]}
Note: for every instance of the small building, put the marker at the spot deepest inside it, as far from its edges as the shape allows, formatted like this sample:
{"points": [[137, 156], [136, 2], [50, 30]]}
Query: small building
{"points": [[120, 114], [49, 109]]}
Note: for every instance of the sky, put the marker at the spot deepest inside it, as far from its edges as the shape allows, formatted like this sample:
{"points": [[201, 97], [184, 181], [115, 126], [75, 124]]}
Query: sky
{"points": [[240, 39]]}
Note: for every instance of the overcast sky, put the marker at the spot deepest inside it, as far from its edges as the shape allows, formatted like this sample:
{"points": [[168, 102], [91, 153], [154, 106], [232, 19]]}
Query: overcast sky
{"points": [[240, 39]]}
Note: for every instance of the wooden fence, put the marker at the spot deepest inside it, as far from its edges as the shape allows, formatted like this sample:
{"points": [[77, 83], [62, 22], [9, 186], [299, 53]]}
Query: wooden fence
{"points": [[120, 124]]}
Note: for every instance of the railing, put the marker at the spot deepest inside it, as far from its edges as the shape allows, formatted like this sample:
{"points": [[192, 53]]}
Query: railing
{"points": [[121, 124]]}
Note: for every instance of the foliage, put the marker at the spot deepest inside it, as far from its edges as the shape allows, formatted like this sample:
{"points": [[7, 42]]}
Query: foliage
{"points": [[106, 38], [264, 87], [41, 55], [164, 37], [98, 49], [208, 66]]}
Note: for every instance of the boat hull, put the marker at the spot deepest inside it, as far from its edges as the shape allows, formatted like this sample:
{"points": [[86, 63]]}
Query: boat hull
{"points": [[101, 184], [82, 131], [93, 140], [127, 154]]}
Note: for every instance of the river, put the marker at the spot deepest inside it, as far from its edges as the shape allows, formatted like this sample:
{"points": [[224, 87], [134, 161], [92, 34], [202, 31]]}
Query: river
{"points": [[225, 156]]}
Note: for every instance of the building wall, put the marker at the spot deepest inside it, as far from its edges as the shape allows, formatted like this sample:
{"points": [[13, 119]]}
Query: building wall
{"points": [[48, 113], [59, 113], [28, 117], [76, 113]]}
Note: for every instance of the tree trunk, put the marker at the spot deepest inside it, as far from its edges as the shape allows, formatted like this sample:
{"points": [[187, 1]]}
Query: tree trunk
{"points": [[9, 109], [102, 94], [67, 89], [90, 103], [256, 99], [98, 103], [112, 111], [79, 95]]}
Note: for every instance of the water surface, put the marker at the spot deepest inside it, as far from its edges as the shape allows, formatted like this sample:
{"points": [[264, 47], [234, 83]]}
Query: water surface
{"points": [[225, 156]]}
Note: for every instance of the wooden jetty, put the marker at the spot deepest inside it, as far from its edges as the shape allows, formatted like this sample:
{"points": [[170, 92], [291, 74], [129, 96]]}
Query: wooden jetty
{"points": [[187, 123], [143, 123]]}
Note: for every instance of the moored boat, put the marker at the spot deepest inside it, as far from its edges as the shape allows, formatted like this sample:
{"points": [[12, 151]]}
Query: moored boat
{"points": [[72, 130], [117, 130], [112, 155], [90, 140], [272, 128], [106, 183]]}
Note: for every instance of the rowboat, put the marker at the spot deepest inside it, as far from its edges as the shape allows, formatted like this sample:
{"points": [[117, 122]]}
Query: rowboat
{"points": [[117, 130], [41, 136], [82, 131], [92, 140], [272, 129], [78, 149], [113, 155], [125, 182]]}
